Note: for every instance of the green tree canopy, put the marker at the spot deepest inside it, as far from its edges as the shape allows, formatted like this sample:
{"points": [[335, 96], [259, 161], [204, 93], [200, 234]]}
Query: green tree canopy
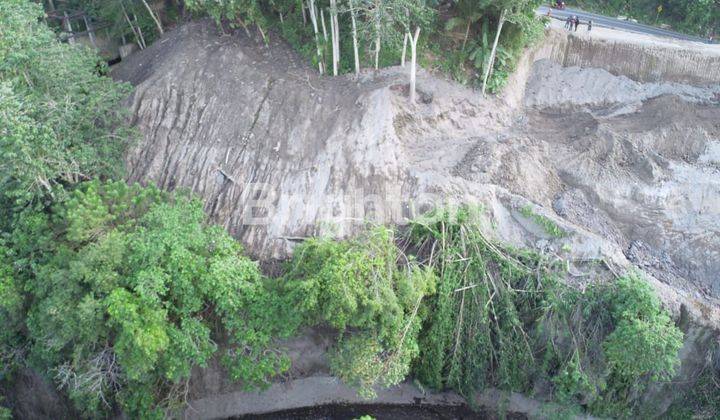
{"points": [[60, 119], [124, 289]]}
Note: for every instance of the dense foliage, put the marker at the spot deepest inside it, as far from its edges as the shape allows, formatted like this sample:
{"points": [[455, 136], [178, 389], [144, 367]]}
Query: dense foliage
{"points": [[503, 318], [700, 17], [138, 21], [126, 289], [623, 341], [359, 288], [59, 120], [465, 45], [382, 26], [238, 12], [456, 36], [118, 291], [477, 334]]}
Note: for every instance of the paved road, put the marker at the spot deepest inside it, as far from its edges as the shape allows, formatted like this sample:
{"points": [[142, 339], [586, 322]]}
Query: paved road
{"points": [[611, 22]]}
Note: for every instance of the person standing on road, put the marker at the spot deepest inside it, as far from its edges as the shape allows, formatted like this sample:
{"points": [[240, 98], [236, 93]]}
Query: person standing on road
{"points": [[577, 23], [568, 23], [589, 25]]}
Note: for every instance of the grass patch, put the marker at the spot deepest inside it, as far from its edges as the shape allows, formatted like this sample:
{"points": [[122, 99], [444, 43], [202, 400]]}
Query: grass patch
{"points": [[550, 227]]}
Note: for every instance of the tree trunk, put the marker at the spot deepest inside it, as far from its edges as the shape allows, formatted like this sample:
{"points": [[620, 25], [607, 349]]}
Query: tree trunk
{"points": [[405, 42], [313, 19], [377, 52], [332, 42], [337, 42], [244, 26], [355, 38], [51, 5], [262, 33], [69, 29], [152, 15], [132, 27], [413, 63], [405, 38], [337, 38], [378, 28], [467, 34], [491, 62], [302, 7], [181, 8], [138, 39], [324, 28], [325, 35], [139, 29], [335, 28], [90, 31]]}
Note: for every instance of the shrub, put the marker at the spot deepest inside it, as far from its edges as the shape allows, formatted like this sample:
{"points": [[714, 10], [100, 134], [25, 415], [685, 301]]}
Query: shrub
{"points": [[125, 294], [478, 332], [606, 344], [644, 343], [501, 318], [360, 288]]}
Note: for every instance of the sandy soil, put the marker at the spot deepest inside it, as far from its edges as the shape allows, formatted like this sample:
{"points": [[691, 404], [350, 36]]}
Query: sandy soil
{"points": [[637, 163]]}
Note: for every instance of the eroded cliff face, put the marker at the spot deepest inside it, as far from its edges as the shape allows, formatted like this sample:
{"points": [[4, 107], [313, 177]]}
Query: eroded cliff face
{"points": [[245, 126], [638, 164], [226, 119], [642, 58], [625, 157]]}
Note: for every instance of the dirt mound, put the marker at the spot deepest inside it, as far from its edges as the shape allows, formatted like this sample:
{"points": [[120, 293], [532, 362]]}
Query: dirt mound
{"points": [[638, 162], [553, 86]]}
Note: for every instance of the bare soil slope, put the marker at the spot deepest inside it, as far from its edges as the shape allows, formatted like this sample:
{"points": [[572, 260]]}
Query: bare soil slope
{"points": [[629, 170], [638, 164], [279, 153], [224, 117]]}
